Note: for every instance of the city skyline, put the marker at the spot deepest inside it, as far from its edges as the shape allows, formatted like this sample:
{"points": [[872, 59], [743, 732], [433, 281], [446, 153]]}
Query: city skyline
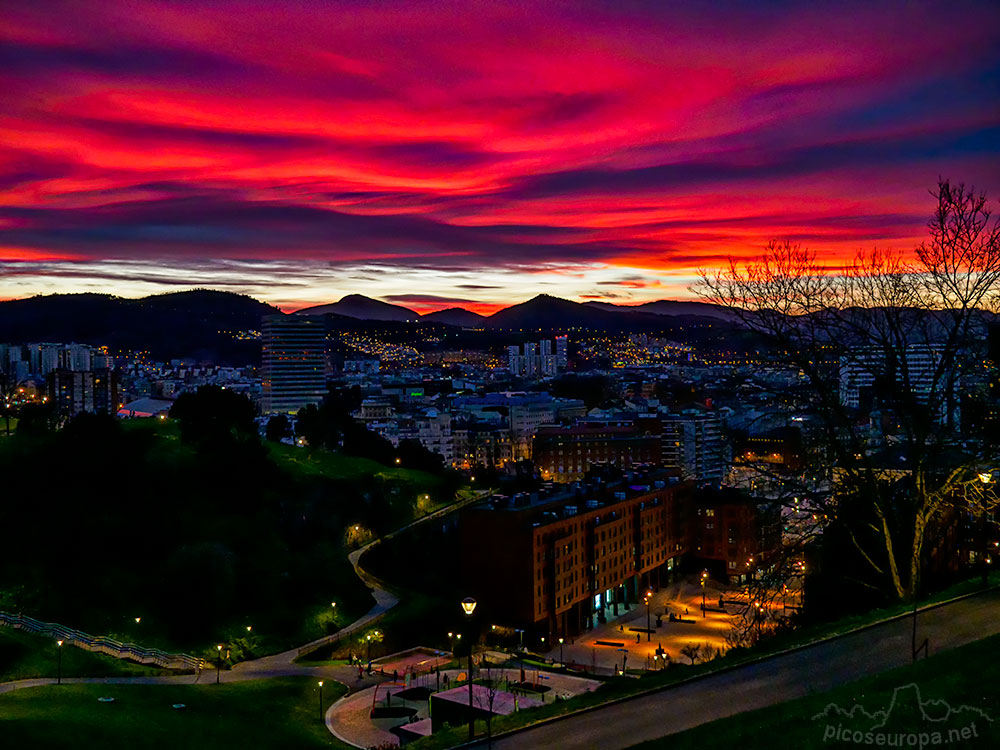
{"points": [[436, 155]]}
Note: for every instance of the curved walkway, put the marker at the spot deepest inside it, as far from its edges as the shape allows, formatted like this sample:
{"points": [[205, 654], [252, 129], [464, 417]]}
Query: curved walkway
{"points": [[282, 664]]}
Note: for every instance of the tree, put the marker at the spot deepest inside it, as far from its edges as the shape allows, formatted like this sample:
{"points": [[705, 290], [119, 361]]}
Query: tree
{"points": [[888, 336], [691, 651], [213, 413], [278, 428]]}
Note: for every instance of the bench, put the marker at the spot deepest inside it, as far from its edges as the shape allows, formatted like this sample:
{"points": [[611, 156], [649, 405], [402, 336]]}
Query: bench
{"points": [[610, 643]]}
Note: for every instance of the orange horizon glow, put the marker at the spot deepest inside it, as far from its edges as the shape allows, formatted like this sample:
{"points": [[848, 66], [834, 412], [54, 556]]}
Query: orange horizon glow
{"points": [[475, 155]]}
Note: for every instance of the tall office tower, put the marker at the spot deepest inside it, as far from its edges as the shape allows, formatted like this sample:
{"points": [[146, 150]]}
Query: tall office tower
{"points": [[294, 363], [562, 352], [546, 347]]}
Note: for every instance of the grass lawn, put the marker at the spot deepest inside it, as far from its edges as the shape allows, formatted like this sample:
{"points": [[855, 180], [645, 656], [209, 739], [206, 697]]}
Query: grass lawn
{"points": [[276, 713], [23, 656], [966, 676]]}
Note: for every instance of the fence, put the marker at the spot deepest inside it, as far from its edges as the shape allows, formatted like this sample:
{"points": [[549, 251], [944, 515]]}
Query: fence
{"points": [[101, 644]]}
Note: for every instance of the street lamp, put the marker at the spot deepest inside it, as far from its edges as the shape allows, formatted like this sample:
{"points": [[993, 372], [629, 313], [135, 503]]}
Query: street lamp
{"points": [[560, 650], [468, 607], [320, 683], [218, 665], [986, 477], [59, 663], [704, 577], [649, 596]]}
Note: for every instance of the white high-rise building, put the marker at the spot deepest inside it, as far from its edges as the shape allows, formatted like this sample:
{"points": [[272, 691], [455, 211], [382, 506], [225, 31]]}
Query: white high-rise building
{"points": [[293, 359]]}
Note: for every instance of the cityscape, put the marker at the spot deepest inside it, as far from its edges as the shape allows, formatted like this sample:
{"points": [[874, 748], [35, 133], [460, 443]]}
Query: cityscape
{"points": [[515, 375]]}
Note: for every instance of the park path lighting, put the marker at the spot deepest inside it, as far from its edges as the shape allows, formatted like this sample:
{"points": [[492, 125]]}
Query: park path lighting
{"points": [[218, 665], [138, 620], [59, 662], [320, 683], [468, 607], [249, 628], [560, 650]]}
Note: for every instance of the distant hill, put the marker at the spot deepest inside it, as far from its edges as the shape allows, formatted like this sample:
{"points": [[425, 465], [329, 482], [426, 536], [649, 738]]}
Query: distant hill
{"points": [[669, 307], [456, 316], [362, 308], [545, 311], [198, 324]]}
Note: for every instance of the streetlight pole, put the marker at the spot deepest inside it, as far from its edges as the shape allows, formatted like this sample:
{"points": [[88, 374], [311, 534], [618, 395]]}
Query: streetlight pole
{"points": [[561, 650], [320, 683], [469, 606], [704, 575], [218, 665], [649, 595], [59, 662], [986, 477]]}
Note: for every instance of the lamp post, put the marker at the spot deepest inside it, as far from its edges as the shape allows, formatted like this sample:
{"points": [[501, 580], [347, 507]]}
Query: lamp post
{"points": [[986, 478], [320, 683], [646, 600], [218, 665], [704, 577], [333, 612], [59, 662], [468, 607], [561, 639]]}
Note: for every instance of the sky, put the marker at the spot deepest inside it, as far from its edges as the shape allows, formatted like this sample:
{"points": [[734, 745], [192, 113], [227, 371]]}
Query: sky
{"points": [[436, 154]]}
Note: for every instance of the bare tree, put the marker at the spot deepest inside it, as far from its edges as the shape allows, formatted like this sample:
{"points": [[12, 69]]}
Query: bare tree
{"points": [[692, 651], [906, 333]]}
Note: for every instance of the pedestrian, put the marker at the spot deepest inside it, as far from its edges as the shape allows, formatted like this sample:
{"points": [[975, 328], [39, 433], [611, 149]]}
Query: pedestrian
{"points": [[685, 611], [369, 666], [395, 675], [638, 638], [361, 672]]}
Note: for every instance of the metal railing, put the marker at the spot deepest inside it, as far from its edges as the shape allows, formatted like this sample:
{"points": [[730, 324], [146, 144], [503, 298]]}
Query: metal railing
{"points": [[101, 644]]}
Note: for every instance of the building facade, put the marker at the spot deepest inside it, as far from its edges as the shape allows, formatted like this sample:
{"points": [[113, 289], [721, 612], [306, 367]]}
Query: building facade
{"points": [[293, 359]]}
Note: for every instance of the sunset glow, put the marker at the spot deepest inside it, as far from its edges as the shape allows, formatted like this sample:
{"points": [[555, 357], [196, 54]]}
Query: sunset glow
{"points": [[474, 154]]}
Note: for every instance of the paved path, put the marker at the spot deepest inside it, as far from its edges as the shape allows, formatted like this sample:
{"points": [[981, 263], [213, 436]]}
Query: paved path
{"points": [[811, 670], [709, 631], [283, 664]]}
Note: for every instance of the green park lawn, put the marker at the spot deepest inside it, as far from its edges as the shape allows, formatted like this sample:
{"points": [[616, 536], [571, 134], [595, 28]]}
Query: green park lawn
{"points": [[23, 656], [275, 713], [966, 676]]}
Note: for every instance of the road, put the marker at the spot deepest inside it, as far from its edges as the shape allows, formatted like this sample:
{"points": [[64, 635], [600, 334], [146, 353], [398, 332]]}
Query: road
{"points": [[793, 675]]}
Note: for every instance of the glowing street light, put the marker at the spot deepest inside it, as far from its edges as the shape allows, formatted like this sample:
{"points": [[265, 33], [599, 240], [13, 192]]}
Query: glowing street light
{"points": [[704, 577], [647, 599], [218, 665], [560, 650], [468, 607], [320, 683], [59, 663]]}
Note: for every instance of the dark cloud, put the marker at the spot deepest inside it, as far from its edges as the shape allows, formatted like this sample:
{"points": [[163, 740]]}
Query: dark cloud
{"points": [[428, 299]]}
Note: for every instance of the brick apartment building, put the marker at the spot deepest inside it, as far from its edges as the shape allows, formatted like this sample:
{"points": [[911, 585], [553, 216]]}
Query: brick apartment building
{"points": [[566, 453], [559, 561]]}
